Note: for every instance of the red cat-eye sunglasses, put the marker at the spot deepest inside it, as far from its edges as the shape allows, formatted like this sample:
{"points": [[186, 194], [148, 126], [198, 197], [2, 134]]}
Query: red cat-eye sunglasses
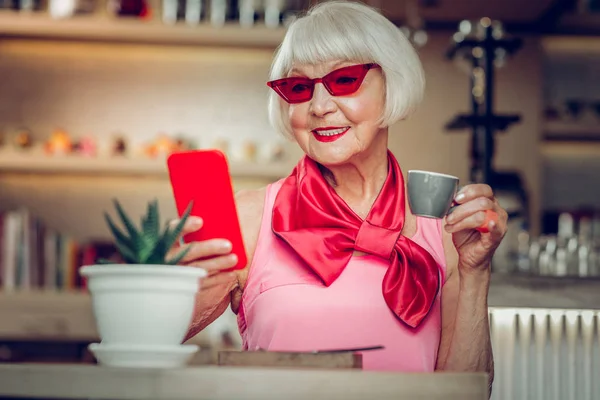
{"points": [[341, 82]]}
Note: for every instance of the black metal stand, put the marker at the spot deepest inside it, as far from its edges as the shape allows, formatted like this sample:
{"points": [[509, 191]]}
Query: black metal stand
{"points": [[482, 50]]}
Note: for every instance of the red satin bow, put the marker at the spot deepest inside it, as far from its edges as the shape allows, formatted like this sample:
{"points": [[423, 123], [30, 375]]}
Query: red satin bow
{"points": [[324, 232]]}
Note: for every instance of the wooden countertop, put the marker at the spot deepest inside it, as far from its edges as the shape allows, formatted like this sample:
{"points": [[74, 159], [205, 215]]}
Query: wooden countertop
{"points": [[508, 291], [215, 383]]}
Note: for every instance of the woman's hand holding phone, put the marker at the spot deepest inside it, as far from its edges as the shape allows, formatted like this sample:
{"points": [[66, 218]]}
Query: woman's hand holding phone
{"points": [[212, 255]]}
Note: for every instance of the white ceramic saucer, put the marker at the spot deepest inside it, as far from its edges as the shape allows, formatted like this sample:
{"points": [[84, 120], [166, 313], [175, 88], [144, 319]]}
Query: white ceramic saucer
{"points": [[113, 355]]}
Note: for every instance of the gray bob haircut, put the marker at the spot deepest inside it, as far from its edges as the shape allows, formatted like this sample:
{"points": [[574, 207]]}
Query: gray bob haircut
{"points": [[354, 32]]}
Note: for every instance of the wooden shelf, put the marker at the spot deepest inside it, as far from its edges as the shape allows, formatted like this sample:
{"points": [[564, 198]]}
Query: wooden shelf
{"points": [[571, 149], [572, 131], [32, 315], [15, 162], [65, 316], [94, 28], [571, 45]]}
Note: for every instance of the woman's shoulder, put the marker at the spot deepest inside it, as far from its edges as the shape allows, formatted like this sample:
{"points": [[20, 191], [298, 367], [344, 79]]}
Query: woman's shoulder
{"points": [[250, 205], [250, 199], [251, 202]]}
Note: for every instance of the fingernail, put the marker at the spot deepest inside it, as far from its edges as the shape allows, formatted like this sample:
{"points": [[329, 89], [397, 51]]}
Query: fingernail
{"points": [[196, 221], [226, 245], [459, 197], [233, 258]]}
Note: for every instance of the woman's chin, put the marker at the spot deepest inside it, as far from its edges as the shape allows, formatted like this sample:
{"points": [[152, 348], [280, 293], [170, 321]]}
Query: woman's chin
{"points": [[331, 158], [334, 153]]}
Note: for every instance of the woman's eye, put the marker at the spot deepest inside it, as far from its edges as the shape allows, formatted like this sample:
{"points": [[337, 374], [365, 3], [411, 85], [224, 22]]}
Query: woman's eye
{"points": [[345, 80], [299, 87]]}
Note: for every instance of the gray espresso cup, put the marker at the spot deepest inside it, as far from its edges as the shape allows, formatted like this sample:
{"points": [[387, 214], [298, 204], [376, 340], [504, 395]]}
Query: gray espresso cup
{"points": [[431, 194]]}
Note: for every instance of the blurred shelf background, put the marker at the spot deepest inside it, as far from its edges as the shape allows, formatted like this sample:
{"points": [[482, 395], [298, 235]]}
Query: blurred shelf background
{"points": [[572, 131], [570, 44], [21, 162], [133, 30], [571, 149]]}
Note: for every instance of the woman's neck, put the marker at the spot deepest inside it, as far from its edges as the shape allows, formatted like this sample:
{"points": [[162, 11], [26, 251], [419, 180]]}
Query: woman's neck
{"points": [[359, 181]]}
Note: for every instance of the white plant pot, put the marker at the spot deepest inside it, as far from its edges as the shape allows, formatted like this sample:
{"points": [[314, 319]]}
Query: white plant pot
{"points": [[142, 305]]}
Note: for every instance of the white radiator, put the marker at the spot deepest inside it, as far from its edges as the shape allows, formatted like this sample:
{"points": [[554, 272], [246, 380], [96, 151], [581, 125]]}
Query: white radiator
{"points": [[545, 354]]}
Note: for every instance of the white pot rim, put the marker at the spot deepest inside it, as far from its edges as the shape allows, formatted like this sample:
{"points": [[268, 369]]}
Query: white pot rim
{"points": [[142, 269]]}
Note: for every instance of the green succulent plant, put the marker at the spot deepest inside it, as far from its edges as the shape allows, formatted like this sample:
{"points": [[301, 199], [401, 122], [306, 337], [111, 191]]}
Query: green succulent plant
{"points": [[148, 244]]}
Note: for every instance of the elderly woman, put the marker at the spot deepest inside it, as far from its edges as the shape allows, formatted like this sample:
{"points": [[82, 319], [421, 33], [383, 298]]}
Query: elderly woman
{"points": [[337, 259]]}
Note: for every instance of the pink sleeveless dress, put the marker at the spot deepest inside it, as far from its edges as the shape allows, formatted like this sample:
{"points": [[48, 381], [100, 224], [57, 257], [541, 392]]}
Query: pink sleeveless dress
{"points": [[285, 307]]}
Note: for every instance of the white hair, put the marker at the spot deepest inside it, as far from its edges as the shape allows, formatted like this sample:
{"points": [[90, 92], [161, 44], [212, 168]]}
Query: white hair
{"points": [[354, 32]]}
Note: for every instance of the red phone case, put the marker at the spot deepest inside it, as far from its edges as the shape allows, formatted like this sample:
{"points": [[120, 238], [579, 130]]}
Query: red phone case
{"points": [[202, 176]]}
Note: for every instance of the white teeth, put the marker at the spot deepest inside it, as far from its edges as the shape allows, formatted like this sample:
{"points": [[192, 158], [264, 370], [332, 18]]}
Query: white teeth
{"points": [[331, 132]]}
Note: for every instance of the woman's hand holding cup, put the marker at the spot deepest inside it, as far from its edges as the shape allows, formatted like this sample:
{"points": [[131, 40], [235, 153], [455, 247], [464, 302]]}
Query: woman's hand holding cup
{"points": [[473, 216]]}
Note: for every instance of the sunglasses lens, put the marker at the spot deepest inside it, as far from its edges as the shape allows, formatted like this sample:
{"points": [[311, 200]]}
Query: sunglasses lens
{"points": [[345, 81], [294, 90]]}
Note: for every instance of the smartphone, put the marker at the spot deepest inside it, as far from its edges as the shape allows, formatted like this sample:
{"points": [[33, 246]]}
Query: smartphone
{"points": [[202, 177]]}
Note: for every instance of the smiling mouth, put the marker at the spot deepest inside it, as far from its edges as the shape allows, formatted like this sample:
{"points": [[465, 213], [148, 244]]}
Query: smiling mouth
{"points": [[329, 134]]}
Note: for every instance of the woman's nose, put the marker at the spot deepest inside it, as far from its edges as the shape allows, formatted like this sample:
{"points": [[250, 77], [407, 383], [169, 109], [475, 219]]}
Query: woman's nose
{"points": [[322, 102]]}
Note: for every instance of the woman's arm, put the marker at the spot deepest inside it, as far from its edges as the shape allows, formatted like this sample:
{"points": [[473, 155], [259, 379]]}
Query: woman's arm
{"points": [[465, 343], [220, 289]]}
